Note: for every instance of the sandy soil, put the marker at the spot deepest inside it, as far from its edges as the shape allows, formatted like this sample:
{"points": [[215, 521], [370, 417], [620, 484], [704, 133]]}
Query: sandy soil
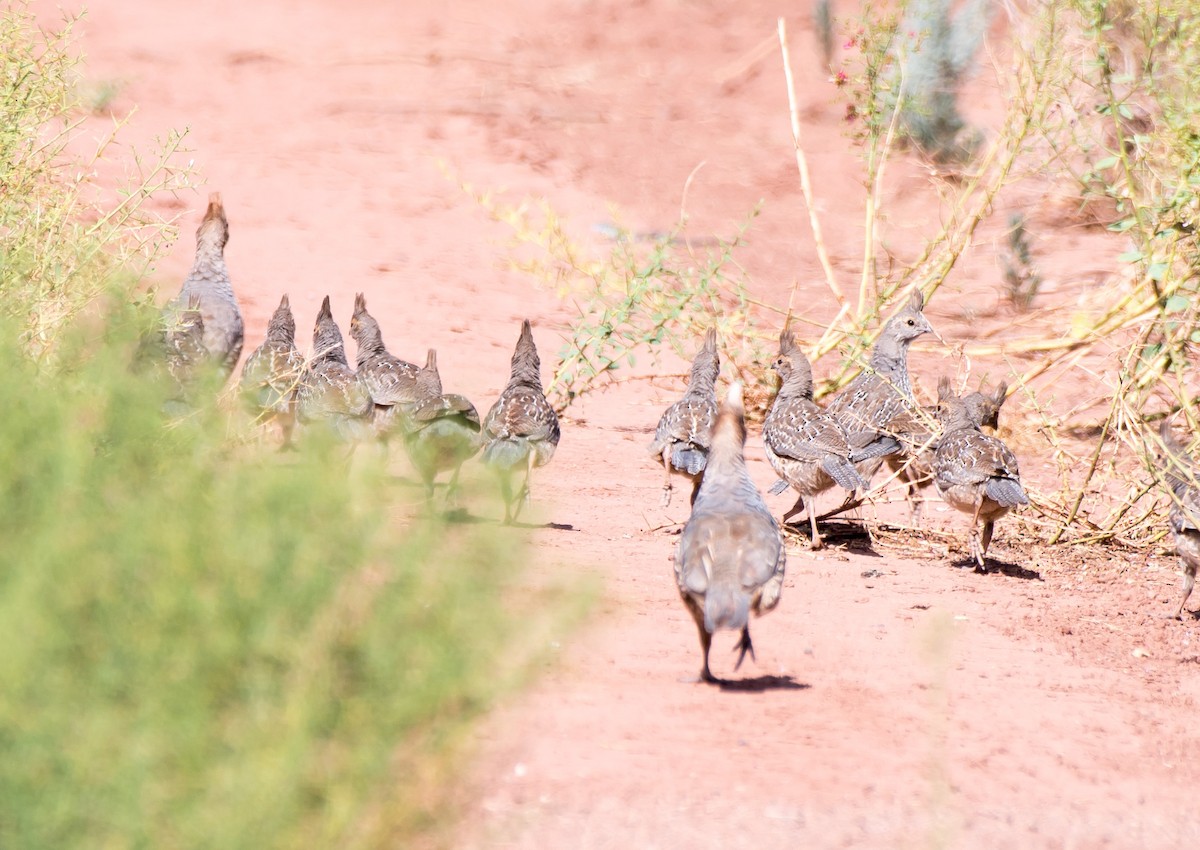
{"points": [[898, 699]]}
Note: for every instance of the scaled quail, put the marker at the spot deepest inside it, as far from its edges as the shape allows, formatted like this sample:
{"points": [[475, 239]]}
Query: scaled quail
{"points": [[730, 559], [521, 429], [975, 473], [867, 405], [442, 430], [271, 375], [684, 431], [391, 381], [330, 392], [805, 446], [209, 282]]}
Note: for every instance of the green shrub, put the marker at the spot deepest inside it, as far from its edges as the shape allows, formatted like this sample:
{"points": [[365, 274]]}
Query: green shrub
{"points": [[909, 64], [211, 645], [634, 297], [63, 240], [938, 52]]}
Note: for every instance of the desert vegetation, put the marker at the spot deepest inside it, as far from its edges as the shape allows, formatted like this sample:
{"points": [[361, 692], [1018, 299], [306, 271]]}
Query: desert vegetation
{"points": [[206, 643], [1099, 106], [209, 644]]}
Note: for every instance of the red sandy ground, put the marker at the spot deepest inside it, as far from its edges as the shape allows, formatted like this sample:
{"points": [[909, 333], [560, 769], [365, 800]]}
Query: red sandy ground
{"points": [[935, 707]]}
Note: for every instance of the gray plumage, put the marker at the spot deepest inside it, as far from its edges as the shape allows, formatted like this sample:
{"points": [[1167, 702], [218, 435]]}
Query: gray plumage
{"points": [[208, 281], [442, 430], [185, 342], [730, 559], [805, 446], [521, 429], [973, 472], [879, 446], [684, 432], [330, 392], [867, 405], [918, 432], [391, 381], [1180, 474], [272, 373], [186, 357]]}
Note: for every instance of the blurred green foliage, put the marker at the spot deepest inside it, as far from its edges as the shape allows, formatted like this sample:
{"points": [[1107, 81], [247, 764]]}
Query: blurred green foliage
{"points": [[210, 644], [205, 643], [1144, 157]]}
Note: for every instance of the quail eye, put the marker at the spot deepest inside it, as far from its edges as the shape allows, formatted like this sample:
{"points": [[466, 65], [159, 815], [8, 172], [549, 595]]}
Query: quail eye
{"points": [[911, 323]]}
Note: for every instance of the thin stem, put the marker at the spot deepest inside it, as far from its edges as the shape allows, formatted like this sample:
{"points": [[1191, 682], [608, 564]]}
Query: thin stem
{"points": [[802, 165], [875, 169]]}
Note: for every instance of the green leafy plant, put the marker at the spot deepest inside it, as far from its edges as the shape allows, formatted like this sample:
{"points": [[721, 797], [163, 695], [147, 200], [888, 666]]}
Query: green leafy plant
{"points": [[65, 240], [1021, 277], [912, 61], [876, 83], [209, 645], [642, 294], [1126, 138], [936, 52]]}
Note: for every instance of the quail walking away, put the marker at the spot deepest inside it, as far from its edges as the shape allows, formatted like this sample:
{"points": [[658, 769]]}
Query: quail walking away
{"points": [[730, 559], [442, 430], [391, 381], [330, 392], [918, 433], [271, 375], [208, 281], [521, 429]]}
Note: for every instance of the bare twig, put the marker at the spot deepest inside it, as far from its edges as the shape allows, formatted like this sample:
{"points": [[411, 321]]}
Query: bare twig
{"points": [[877, 165], [802, 164]]}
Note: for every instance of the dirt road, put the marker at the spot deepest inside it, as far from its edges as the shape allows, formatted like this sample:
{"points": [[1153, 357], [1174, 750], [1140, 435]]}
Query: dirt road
{"points": [[898, 700]]}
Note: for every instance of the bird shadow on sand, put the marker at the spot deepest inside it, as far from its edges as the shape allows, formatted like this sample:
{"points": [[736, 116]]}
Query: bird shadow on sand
{"points": [[1003, 567], [761, 684], [848, 535], [553, 526]]}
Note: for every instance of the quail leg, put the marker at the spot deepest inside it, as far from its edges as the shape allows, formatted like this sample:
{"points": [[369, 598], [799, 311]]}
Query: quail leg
{"points": [[1189, 582], [523, 495], [744, 645], [913, 495], [452, 492], [794, 509], [816, 535], [986, 539], [977, 545], [667, 486], [506, 495], [705, 638]]}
